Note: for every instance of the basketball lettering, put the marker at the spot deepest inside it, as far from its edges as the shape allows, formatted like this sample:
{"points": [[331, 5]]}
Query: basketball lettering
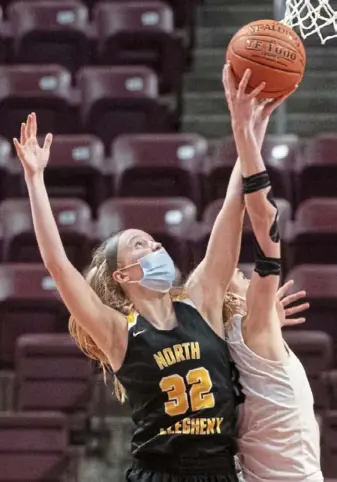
{"points": [[273, 52]]}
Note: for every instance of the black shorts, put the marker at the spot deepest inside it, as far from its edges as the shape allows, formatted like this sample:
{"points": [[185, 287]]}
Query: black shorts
{"points": [[163, 470]]}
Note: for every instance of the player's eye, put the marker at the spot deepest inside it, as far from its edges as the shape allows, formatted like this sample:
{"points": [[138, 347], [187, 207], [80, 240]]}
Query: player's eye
{"points": [[139, 244]]}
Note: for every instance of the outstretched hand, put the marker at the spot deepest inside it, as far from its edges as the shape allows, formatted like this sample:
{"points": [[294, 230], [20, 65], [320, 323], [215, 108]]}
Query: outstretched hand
{"points": [[283, 302], [33, 157], [242, 105], [245, 107]]}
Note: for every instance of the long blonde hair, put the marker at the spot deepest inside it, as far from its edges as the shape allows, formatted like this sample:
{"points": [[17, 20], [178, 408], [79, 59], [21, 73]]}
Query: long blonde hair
{"points": [[111, 294]]}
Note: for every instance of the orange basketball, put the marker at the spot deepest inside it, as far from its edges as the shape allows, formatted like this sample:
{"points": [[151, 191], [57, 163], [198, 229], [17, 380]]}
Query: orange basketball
{"points": [[274, 53]]}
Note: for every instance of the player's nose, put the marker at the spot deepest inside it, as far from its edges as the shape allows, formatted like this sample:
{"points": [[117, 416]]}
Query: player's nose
{"points": [[156, 246]]}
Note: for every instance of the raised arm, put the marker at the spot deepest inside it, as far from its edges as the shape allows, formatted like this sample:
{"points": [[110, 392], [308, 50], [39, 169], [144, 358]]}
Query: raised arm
{"points": [[262, 329], [105, 326], [209, 282]]}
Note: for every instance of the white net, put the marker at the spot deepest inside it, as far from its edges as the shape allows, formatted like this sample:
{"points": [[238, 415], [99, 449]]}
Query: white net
{"points": [[312, 17]]}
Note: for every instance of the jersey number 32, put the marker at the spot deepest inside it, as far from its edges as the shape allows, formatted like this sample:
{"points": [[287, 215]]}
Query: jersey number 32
{"points": [[194, 392]]}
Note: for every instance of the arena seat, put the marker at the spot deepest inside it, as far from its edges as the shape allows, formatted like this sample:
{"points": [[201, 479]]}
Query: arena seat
{"points": [[155, 165], [329, 448], [76, 168], [121, 100], [312, 237], [41, 89], [141, 34], [278, 153], [29, 303], [73, 218], [331, 379], [166, 219], [50, 32], [8, 186], [320, 283], [315, 351], [34, 447], [183, 10], [316, 168], [52, 363], [199, 237]]}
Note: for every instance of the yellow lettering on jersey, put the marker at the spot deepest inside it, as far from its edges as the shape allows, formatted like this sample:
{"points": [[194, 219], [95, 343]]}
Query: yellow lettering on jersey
{"points": [[195, 426], [160, 360], [177, 354], [169, 356], [218, 424]]}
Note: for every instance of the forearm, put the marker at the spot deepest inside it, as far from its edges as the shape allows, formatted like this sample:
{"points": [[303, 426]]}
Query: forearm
{"points": [[251, 161], [46, 231], [260, 210], [260, 132], [235, 182]]}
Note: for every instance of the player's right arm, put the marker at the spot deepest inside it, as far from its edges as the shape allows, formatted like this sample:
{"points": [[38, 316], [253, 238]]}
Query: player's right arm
{"points": [[107, 327], [262, 329]]}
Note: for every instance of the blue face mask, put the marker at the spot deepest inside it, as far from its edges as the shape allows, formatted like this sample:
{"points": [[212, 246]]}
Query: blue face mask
{"points": [[158, 271]]}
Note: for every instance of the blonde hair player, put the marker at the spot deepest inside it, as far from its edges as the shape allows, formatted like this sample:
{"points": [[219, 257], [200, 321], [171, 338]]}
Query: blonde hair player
{"points": [[170, 357], [278, 435]]}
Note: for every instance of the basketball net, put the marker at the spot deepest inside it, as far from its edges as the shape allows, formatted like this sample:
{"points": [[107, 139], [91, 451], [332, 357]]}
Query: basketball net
{"points": [[312, 17]]}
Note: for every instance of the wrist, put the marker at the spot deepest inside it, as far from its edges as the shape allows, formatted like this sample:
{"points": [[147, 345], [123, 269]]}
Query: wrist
{"points": [[34, 178], [243, 129]]}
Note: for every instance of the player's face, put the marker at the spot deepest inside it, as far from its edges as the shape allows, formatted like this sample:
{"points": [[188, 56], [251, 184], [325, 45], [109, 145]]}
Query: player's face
{"points": [[133, 245], [239, 284]]}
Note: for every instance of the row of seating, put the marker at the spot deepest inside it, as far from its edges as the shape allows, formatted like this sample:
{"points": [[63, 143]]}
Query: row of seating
{"points": [[311, 238], [47, 364], [121, 33], [183, 10], [108, 101], [30, 303], [47, 456], [34, 447], [157, 165]]}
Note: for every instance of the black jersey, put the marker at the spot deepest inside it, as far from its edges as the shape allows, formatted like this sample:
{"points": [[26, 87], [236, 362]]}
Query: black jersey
{"points": [[179, 386]]}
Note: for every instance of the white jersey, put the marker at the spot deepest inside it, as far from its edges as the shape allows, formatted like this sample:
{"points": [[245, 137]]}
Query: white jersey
{"points": [[277, 429]]}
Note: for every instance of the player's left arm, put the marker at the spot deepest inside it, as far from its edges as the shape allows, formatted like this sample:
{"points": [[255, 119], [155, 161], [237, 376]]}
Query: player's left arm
{"points": [[208, 284], [262, 329]]}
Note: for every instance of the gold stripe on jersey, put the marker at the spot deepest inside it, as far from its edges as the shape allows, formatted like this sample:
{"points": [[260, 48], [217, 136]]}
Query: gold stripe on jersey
{"points": [[195, 426]]}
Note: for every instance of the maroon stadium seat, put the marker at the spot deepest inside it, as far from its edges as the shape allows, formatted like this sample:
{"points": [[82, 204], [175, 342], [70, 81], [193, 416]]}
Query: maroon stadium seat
{"points": [[9, 184], [73, 218], [3, 43], [134, 33], [50, 32], [316, 168], [320, 283], [331, 378], [329, 449], [312, 237], [199, 237], [41, 89], [54, 364], [29, 303], [34, 447], [315, 350], [76, 169], [120, 100], [278, 153], [183, 9], [166, 219], [158, 165]]}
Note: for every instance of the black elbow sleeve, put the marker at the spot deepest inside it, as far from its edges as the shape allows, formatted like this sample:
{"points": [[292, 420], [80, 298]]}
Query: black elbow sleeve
{"points": [[264, 266], [256, 182]]}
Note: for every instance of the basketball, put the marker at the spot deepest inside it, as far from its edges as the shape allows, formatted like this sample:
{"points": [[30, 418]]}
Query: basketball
{"points": [[274, 53]]}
